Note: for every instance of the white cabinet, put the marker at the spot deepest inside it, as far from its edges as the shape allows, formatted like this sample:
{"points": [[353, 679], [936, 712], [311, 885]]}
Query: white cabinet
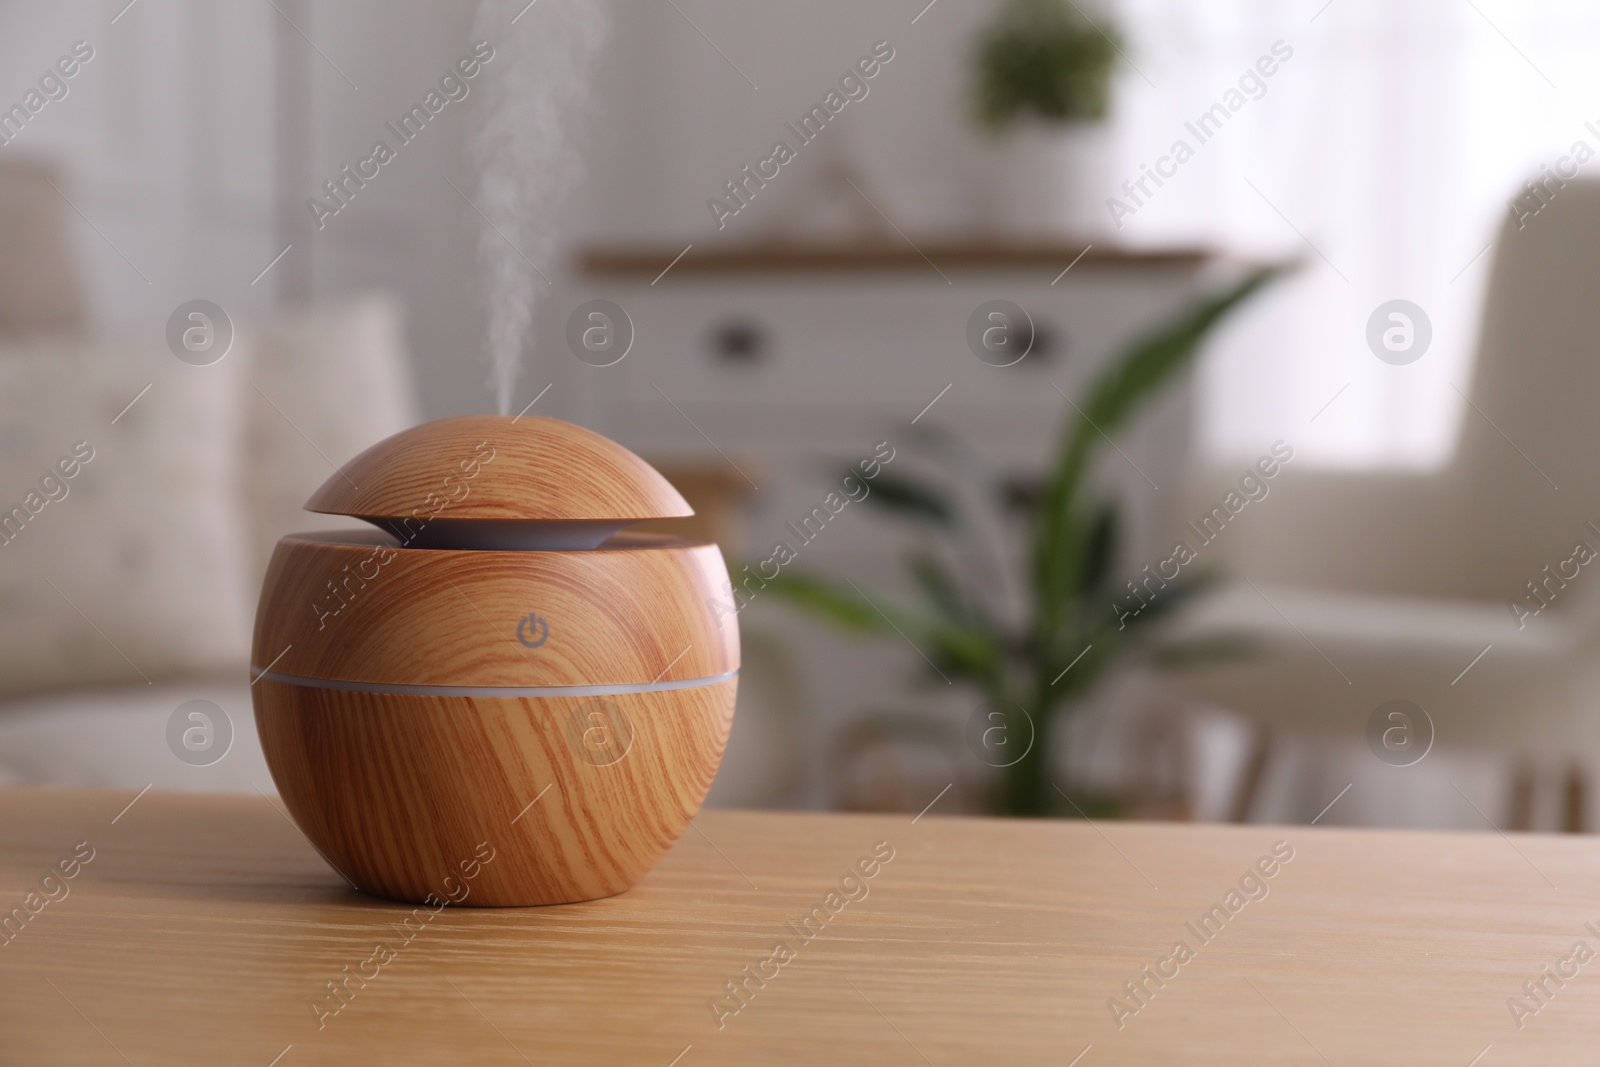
{"points": [[796, 368], [793, 366]]}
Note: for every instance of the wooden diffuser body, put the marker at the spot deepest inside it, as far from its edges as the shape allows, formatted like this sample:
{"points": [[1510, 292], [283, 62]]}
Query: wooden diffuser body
{"points": [[495, 725]]}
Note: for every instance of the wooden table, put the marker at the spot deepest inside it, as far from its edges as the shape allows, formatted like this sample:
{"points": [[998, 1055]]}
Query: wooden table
{"points": [[204, 929]]}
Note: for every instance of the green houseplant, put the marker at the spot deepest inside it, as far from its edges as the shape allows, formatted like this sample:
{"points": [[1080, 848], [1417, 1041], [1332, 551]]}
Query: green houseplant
{"points": [[1071, 634], [1040, 58], [1041, 85]]}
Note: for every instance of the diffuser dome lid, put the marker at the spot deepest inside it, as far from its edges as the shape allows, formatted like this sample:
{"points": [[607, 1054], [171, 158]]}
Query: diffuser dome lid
{"points": [[495, 467]]}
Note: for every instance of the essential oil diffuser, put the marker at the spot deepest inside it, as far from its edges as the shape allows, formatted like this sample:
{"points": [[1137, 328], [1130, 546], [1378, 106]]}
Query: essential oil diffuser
{"points": [[496, 698]]}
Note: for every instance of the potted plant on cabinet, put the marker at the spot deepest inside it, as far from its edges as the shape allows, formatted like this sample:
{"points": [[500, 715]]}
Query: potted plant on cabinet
{"points": [[1042, 88]]}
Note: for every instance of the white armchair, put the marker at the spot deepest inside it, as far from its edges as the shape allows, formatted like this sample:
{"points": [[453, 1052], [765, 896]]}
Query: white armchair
{"points": [[1365, 588]]}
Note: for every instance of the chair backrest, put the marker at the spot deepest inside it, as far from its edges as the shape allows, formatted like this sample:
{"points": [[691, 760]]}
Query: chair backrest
{"points": [[1526, 475]]}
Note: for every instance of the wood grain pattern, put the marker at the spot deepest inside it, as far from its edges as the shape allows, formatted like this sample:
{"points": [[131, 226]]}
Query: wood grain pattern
{"points": [[205, 930], [642, 611], [718, 495], [576, 798], [403, 793], [498, 467]]}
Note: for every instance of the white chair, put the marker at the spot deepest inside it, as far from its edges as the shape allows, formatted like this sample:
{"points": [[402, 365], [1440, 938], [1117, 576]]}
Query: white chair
{"points": [[1364, 588]]}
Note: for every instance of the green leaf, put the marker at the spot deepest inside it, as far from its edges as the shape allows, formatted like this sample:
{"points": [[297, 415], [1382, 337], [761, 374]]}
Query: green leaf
{"points": [[953, 448], [1151, 361], [912, 498], [1163, 601], [940, 587], [955, 649], [827, 601], [1072, 668], [1148, 363], [968, 639], [967, 653], [1100, 551]]}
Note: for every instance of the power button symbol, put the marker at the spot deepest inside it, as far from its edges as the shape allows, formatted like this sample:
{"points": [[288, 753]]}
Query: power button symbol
{"points": [[533, 630]]}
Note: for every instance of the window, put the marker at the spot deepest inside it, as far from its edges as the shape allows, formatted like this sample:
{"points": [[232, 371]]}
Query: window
{"points": [[1384, 148]]}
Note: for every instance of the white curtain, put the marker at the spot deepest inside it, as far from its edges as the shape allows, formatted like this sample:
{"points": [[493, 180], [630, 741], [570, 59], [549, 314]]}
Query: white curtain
{"points": [[1384, 151]]}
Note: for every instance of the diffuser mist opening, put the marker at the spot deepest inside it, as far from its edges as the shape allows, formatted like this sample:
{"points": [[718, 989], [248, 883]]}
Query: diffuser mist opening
{"points": [[506, 535]]}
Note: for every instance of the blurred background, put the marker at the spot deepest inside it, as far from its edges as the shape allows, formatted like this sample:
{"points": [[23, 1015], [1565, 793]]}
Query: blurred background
{"points": [[1166, 410]]}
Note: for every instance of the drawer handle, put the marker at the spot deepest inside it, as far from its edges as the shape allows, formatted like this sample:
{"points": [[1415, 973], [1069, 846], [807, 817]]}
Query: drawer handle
{"points": [[740, 342], [1047, 345]]}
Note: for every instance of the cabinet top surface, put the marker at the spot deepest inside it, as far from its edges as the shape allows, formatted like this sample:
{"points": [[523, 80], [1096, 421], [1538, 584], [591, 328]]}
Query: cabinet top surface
{"points": [[735, 259], [204, 929]]}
